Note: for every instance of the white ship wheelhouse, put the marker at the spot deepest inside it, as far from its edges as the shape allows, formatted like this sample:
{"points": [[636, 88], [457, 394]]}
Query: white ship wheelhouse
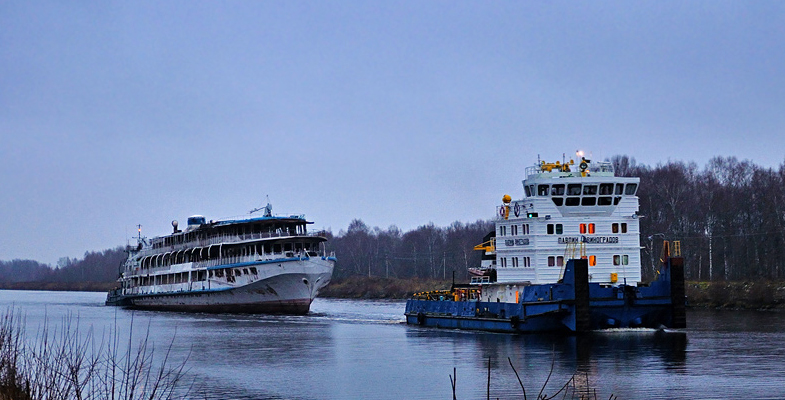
{"points": [[569, 211]]}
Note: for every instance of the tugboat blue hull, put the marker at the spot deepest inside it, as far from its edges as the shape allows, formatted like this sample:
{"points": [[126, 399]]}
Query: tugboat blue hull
{"points": [[573, 305]]}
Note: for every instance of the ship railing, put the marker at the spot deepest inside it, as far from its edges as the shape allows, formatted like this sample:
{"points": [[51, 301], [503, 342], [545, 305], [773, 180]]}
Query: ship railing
{"points": [[476, 280], [251, 258], [219, 239], [228, 260], [594, 166]]}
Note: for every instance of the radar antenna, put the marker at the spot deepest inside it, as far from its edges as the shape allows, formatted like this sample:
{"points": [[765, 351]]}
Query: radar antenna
{"points": [[268, 209]]}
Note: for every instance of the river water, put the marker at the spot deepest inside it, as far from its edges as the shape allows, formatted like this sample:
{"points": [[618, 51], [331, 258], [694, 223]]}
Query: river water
{"points": [[360, 349]]}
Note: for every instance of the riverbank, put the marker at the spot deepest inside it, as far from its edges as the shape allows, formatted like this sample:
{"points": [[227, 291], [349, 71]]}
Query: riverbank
{"points": [[363, 287], [760, 295], [60, 286], [763, 295], [726, 295]]}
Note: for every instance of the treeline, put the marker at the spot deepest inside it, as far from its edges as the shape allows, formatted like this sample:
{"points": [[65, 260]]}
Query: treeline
{"points": [[728, 216], [426, 252], [102, 266]]}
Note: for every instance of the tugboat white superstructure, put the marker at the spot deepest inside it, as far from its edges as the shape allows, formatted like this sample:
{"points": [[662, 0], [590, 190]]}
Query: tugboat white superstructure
{"points": [[267, 264], [564, 257], [569, 211]]}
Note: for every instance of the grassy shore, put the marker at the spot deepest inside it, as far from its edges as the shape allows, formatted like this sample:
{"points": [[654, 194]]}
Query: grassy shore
{"points": [[66, 362], [760, 295], [60, 286], [363, 287], [728, 295]]}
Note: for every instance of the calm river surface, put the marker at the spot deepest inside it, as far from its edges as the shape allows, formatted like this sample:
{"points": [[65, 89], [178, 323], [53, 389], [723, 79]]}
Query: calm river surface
{"points": [[350, 349]]}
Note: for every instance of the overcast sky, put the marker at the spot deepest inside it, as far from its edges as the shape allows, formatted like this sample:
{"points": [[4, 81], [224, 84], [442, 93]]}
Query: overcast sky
{"points": [[114, 114]]}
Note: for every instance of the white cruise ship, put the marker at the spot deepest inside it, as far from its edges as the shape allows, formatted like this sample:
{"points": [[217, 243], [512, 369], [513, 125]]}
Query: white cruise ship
{"points": [[266, 264]]}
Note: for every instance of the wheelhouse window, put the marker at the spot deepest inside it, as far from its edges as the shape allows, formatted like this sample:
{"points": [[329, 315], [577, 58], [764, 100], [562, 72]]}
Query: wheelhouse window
{"points": [[630, 189], [604, 201], [606, 188], [572, 201], [574, 189], [543, 190], [590, 190], [528, 192], [588, 201], [619, 189], [557, 190]]}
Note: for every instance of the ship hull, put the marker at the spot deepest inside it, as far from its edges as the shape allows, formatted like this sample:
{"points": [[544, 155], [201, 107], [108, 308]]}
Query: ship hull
{"points": [[286, 287], [572, 306]]}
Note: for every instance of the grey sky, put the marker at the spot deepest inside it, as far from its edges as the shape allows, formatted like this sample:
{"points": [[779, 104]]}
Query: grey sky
{"points": [[118, 113]]}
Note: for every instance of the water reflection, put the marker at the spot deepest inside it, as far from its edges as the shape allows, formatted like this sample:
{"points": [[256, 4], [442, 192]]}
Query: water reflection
{"points": [[589, 358]]}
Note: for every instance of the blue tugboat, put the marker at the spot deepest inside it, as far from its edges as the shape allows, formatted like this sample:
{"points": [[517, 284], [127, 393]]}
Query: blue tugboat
{"points": [[566, 258]]}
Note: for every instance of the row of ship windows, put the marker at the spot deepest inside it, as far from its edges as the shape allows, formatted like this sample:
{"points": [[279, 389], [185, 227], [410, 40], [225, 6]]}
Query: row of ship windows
{"points": [[586, 201], [259, 229], [218, 252], [558, 261], [577, 189], [558, 229], [514, 230], [196, 276]]}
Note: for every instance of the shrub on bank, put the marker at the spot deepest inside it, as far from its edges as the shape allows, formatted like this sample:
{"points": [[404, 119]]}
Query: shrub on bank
{"points": [[736, 295], [732, 295], [65, 363], [363, 287]]}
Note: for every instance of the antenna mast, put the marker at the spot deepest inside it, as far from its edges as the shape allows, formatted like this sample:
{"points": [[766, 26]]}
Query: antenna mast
{"points": [[268, 209]]}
